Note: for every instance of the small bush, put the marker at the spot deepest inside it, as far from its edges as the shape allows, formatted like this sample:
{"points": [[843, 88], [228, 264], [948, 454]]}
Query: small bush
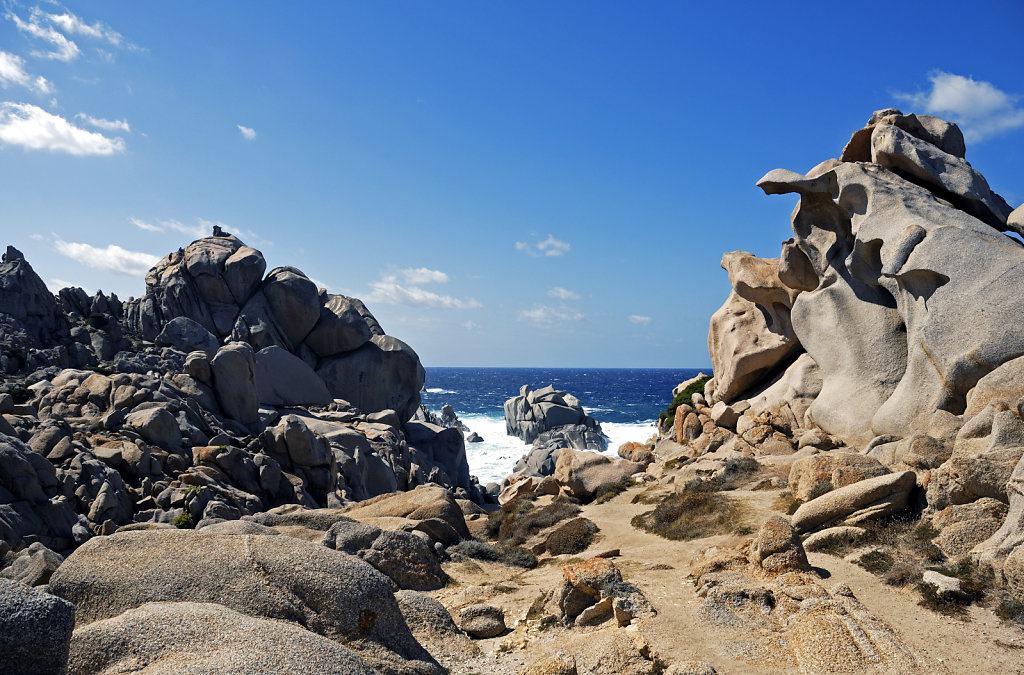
{"points": [[694, 513], [520, 519], [574, 536], [820, 488], [517, 556], [611, 490], [471, 548], [21, 394], [876, 562], [685, 396], [98, 320], [1010, 610], [184, 521]]}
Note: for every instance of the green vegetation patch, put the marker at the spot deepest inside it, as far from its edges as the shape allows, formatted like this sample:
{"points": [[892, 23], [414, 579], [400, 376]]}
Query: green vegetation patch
{"points": [[685, 396], [574, 536]]}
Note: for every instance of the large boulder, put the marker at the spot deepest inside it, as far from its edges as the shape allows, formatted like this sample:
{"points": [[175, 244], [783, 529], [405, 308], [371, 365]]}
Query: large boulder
{"points": [[35, 630], [407, 559], [270, 577], [533, 412], [283, 379], [582, 473], [855, 503], [187, 335], [341, 328], [187, 637], [234, 381], [837, 469], [383, 374]]}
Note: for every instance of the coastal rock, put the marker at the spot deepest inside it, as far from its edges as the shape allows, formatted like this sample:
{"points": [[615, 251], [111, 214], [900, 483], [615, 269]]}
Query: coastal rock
{"points": [[28, 302], [777, 548], [837, 469], [434, 627], [234, 380], [340, 328], [964, 526], [383, 374], [34, 566], [187, 335], [35, 630], [184, 637], [531, 413], [482, 621], [405, 558]]}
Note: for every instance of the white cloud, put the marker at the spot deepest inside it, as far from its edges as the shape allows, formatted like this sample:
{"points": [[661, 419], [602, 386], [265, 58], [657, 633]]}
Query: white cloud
{"points": [[202, 229], [63, 48], [33, 128], [69, 23], [55, 284], [980, 108], [106, 125], [388, 290], [113, 258], [12, 71], [470, 325], [248, 132], [546, 315], [563, 293], [638, 319], [549, 247], [423, 275]]}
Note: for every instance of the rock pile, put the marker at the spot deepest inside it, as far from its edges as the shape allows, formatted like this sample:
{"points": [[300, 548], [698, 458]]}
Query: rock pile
{"points": [[550, 420]]}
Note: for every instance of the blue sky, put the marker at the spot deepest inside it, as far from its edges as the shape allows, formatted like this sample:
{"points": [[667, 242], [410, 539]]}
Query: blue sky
{"points": [[504, 183]]}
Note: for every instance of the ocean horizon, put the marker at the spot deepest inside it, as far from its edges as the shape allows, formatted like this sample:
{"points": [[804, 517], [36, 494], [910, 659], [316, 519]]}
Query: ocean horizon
{"points": [[626, 401]]}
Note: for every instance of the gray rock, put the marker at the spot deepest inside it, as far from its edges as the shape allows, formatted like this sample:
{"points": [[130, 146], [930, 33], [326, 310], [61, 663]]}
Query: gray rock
{"points": [[405, 558], [28, 302], [434, 627], [531, 413], [35, 630], [234, 381], [330, 593], [482, 621], [385, 373], [191, 637], [283, 379], [945, 587], [187, 335], [341, 328], [33, 566], [157, 426]]}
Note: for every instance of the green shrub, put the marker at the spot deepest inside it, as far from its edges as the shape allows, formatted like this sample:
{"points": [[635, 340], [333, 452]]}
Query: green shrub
{"points": [[609, 491], [682, 397], [184, 521], [820, 488], [98, 320], [517, 556], [694, 513], [21, 394], [574, 536], [471, 548], [876, 562]]}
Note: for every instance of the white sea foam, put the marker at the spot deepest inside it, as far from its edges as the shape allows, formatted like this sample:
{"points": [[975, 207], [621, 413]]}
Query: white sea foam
{"points": [[494, 459], [439, 390]]}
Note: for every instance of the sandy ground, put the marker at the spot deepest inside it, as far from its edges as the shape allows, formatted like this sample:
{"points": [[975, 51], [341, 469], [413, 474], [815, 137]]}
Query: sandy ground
{"points": [[981, 644]]}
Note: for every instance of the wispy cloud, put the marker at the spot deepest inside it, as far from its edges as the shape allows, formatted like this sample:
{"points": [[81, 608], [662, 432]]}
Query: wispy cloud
{"points": [[247, 132], [31, 127], [423, 275], [69, 23], [563, 293], [980, 108], [113, 258], [202, 229], [640, 320], [63, 49], [12, 71], [546, 315], [547, 248], [389, 290], [106, 125]]}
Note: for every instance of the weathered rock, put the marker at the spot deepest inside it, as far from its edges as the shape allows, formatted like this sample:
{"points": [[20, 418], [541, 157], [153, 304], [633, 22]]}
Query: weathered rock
{"points": [[340, 328], [434, 628], [420, 504], [533, 412], [838, 469], [870, 498], [482, 621], [187, 637], [636, 452], [157, 426], [751, 333], [35, 630], [964, 526], [33, 566], [945, 586], [777, 548], [283, 379], [27, 301], [331, 593], [846, 534], [405, 558], [582, 474]]}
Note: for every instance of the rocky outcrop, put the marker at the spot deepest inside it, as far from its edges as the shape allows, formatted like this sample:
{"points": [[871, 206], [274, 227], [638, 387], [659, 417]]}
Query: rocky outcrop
{"points": [[581, 474], [218, 283], [533, 412]]}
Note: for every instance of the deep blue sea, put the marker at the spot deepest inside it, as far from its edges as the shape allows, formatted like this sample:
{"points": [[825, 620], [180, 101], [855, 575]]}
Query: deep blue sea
{"points": [[626, 401]]}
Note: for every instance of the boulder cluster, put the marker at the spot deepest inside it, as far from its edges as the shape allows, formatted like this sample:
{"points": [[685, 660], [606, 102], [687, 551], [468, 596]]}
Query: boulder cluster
{"points": [[551, 420], [883, 336]]}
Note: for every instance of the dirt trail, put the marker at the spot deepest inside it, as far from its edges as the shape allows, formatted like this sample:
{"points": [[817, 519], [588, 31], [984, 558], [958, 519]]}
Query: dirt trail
{"points": [[660, 568]]}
